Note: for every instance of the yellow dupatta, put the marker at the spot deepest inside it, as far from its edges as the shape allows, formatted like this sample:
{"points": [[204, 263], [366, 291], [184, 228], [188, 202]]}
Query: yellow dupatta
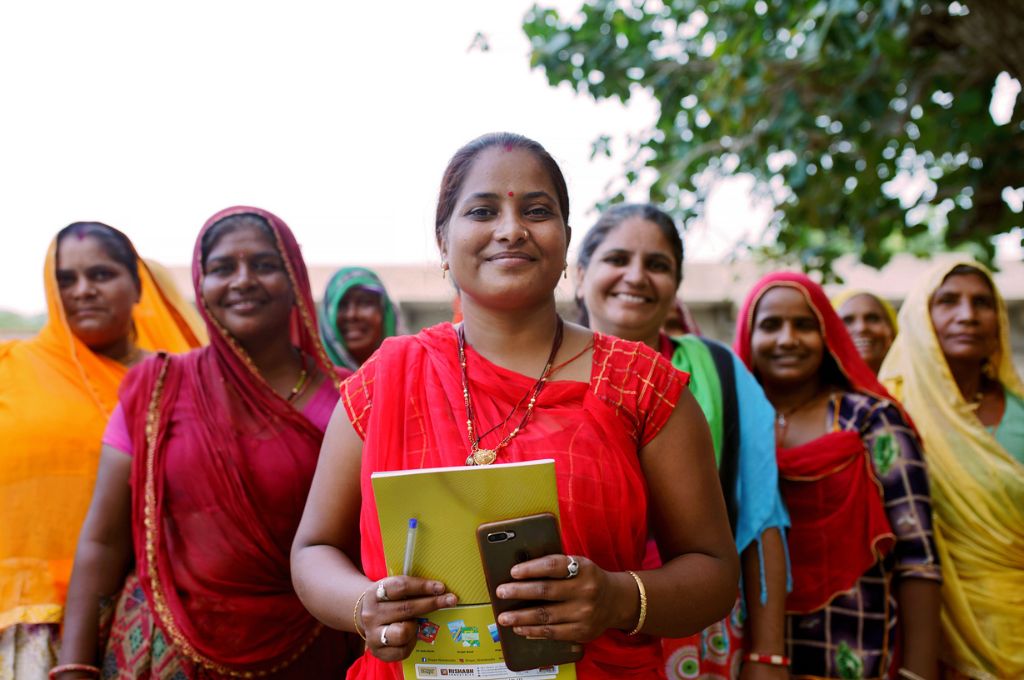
{"points": [[977, 491], [844, 296], [55, 398]]}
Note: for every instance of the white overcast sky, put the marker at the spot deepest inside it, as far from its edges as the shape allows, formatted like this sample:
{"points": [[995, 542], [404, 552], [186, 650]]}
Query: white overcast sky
{"points": [[337, 116]]}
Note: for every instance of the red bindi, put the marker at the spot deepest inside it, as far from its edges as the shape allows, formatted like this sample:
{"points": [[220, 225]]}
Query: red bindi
{"points": [[511, 194]]}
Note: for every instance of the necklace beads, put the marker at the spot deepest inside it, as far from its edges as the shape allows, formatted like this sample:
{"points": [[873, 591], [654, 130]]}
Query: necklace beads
{"points": [[482, 456]]}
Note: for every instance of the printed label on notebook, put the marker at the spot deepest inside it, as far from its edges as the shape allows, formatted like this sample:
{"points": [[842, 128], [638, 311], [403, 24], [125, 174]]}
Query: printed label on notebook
{"points": [[466, 651]]}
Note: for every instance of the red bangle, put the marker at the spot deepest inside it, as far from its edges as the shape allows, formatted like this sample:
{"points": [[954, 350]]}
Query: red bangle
{"points": [[770, 659], [70, 667]]}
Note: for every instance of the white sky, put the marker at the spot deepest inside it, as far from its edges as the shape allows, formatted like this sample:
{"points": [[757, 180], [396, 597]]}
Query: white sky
{"points": [[339, 117]]}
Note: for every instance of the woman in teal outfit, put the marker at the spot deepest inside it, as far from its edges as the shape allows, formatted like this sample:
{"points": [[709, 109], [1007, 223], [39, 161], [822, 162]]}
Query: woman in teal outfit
{"points": [[629, 270], [356, 315]]}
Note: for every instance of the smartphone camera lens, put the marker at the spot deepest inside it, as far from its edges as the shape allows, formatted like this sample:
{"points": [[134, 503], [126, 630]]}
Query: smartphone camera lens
{"points": [[500, 536]]}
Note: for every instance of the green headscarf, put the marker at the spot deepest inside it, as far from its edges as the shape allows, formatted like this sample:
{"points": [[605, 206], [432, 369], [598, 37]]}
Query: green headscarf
{"points": [[344, 280]]}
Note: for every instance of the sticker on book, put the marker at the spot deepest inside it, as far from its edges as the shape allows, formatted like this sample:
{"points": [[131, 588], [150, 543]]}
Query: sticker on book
{"points": [[427, 630], [470, 636], [455, 628], [493, 630]]}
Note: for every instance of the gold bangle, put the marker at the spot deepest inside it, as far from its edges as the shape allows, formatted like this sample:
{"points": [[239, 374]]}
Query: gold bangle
{"points": [[908, 674], [356, 611], [643, 603]]}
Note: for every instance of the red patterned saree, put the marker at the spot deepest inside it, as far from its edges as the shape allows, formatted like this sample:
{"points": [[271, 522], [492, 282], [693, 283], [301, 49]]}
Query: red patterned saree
{"points": [[839, 526], [220, 473], [407, 404]]}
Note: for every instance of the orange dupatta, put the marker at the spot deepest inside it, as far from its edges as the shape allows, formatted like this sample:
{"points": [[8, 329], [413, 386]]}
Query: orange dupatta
{"points": [[55, 398]]}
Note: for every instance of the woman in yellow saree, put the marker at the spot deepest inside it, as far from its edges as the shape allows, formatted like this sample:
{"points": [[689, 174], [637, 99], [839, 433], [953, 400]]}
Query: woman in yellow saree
{"points": [[106, 308], [951, 367]]}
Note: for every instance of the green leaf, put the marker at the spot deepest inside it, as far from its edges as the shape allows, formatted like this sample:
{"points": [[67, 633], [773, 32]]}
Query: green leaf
{"points": [[834, 83]]}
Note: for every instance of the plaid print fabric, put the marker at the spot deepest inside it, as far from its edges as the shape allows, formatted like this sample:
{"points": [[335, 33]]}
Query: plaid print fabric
{"points": [[854, 634]]}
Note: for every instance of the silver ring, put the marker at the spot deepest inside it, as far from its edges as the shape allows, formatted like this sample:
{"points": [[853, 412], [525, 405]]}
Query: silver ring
{"points": [[574, 567], [384, 636], [382, 595]]}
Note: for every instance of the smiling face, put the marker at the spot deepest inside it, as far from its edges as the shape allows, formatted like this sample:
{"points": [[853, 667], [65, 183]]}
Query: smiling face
{"points": [[246, 287], [506, 240], [630, 284], [786, 344], [966, 318], [361, 321], [869, 327], [96, 291]]}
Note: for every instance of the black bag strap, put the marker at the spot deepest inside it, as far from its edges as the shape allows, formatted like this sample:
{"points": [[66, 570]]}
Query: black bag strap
{"points": [[728, 468]]}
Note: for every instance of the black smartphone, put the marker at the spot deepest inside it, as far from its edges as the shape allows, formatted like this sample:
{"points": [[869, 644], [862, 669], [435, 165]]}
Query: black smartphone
{"points": [[503, 545]]}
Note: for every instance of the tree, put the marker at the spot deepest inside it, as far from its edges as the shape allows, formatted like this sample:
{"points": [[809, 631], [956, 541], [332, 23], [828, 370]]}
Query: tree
{"points": [[837, 108]]}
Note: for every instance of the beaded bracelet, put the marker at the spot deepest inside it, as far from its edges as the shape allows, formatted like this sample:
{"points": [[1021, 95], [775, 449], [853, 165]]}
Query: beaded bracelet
{"points": [[643, 603], [770, 659], [356, 611], [69, 667]]}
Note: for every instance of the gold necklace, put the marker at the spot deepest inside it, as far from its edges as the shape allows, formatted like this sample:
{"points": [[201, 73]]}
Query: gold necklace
{"points": [[300, 384], [477, 455]]}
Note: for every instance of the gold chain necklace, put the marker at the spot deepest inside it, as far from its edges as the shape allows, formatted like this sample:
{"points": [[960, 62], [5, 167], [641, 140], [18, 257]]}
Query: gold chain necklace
{"points": [[300, 384], [477, 455]]}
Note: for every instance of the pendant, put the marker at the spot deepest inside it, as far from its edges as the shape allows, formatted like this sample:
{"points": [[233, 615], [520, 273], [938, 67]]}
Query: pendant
{"points": [[482, 457]]}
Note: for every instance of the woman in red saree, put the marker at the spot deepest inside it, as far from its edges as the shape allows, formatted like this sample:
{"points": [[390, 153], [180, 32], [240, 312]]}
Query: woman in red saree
{"points": [[218, 448], [865, 568], [614, 415]]}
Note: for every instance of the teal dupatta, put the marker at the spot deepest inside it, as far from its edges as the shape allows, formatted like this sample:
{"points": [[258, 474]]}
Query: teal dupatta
{"points": [[758, 499]]}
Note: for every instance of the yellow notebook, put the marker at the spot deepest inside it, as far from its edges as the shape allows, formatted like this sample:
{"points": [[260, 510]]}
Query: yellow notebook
{"points": [[448, 505]]}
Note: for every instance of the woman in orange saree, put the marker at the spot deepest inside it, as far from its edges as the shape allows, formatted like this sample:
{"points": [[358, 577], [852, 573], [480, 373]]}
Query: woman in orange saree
{"points": [[105, 308]]}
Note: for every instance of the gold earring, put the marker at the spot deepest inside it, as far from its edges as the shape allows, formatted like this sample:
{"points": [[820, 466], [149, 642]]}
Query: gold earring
{"points": [[444, 270]]}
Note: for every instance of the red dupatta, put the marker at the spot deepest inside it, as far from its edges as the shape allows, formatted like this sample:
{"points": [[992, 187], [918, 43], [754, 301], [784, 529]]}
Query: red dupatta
{"points": [[839, 524], [219, 488], [407, 403]]}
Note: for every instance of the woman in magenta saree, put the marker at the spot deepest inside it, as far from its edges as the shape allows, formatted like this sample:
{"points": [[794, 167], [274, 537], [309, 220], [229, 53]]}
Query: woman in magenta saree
{"points": [[608, 411], [223, 443]]}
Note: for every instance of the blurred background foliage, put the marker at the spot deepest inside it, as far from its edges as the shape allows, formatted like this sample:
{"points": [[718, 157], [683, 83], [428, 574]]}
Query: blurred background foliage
{"points": [[866, 124]]}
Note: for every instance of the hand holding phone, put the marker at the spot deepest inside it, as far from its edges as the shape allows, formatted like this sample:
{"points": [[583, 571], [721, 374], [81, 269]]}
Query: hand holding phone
{"points": [[503, 545]]}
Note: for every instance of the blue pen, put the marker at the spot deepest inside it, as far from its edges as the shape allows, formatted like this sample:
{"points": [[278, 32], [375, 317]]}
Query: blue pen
{"points": [[410, 546]]}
